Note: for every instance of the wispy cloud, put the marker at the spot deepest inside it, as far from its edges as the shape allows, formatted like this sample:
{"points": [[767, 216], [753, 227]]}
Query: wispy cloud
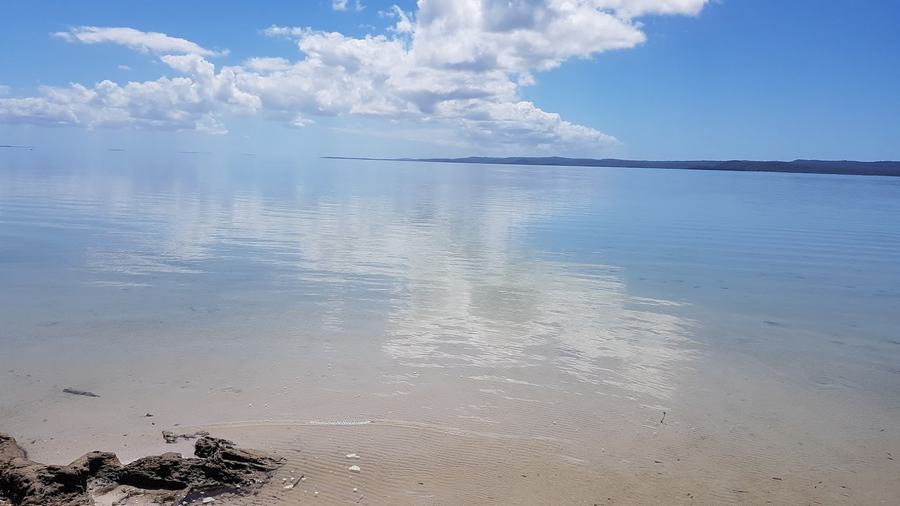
{"points": [[148, 42], [343, 5]]}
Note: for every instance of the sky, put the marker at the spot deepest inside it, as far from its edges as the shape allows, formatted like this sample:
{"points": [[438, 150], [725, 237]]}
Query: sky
{"points": [[649, 79]]}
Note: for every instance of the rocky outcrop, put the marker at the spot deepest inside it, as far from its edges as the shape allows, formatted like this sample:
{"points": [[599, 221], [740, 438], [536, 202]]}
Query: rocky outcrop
{"points": [[25, 482], [219, 467]]}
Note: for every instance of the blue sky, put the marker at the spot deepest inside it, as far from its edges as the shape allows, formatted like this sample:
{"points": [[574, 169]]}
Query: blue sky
{"points": [[760, 79]]}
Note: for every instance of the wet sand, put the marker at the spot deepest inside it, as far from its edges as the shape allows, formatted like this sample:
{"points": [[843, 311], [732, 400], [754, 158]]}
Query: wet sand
{"points": [[732, 434]]}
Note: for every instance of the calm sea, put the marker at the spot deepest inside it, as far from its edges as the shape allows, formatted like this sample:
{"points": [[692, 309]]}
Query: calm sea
{"points": [[207, 290]]}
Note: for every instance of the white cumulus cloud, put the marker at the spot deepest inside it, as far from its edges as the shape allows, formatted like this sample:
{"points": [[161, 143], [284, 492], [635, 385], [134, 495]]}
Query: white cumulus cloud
{"points": [[453, 66]]}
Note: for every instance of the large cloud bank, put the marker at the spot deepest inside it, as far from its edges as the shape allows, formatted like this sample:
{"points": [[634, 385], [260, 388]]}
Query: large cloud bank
{"points": [[456, 65]]}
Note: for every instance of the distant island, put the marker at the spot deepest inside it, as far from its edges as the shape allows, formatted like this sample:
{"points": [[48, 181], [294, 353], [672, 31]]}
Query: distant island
{"points": [[847, 167]]}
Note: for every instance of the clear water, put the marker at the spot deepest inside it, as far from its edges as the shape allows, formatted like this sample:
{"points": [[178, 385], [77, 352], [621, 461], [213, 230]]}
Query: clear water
{"points": [[205, 277], [376, 244]]}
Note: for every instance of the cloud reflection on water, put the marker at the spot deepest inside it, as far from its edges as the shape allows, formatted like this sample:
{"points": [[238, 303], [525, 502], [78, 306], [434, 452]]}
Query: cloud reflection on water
{"points": [[443, 269]]}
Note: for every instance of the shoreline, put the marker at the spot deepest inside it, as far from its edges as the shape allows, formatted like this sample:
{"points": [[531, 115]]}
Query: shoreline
{"points": [[733, 422], [700, 453]]}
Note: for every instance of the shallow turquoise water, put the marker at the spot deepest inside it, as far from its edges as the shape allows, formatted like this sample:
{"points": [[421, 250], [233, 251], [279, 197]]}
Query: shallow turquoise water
{"points": [[611, 277]]}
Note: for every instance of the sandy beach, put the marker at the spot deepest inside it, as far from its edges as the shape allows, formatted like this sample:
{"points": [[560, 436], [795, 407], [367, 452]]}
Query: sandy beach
{"points": [[431, 438]]}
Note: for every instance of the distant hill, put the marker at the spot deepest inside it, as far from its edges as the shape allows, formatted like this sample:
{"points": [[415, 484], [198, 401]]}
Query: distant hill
{"points": [[884, 168]]}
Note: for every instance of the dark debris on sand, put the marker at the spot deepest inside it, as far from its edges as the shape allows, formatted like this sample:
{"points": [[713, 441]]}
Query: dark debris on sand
{"points": [[219, 467], [83, 393]]}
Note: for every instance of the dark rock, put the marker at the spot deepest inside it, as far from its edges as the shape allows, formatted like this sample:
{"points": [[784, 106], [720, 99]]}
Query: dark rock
{"points": [[28, 483], [97, 464], [219, 467], [218, 463], [164, 471]]}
